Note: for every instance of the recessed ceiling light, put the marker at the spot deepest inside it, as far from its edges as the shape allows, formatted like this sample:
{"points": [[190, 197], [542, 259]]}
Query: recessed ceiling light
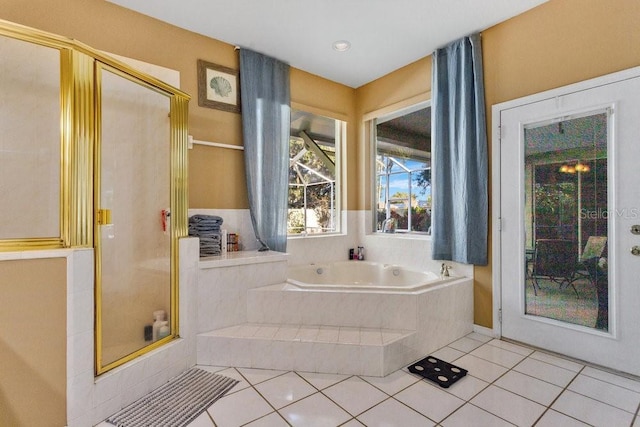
{"points": [[341, 45]]}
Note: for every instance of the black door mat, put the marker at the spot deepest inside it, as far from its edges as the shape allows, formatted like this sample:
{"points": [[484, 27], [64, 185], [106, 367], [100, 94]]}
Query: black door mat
{"points": [[440, 372]]}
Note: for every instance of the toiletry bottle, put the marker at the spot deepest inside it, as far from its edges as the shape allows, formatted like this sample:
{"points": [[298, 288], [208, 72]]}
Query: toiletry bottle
{"points": [[164, 330], [148, 332], [158, 318], [360, 253], [351, 251]]}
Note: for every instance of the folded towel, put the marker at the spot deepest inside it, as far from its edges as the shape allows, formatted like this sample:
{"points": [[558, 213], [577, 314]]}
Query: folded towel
{"points": [[205, 219]]}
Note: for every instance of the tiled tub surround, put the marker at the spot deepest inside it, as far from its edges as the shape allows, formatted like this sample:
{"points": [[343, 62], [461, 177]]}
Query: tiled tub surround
{"points": [[346, 332], [223, 282]]}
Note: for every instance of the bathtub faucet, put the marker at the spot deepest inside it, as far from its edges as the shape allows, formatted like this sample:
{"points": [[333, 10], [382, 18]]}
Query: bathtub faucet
{"points": [[444, 270]]}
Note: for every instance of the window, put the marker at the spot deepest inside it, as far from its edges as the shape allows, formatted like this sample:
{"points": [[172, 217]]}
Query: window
{"points": [[403, 171], [314, 171]]}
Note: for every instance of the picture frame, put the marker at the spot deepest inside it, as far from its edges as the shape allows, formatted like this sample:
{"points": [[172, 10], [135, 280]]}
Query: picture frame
{"points": [[218, 87]]}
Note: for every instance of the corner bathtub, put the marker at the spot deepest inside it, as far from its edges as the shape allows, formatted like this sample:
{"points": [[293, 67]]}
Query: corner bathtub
{"points": [[361, 276]]}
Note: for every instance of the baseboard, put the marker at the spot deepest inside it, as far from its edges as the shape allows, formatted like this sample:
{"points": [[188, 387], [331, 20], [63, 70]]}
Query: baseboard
{"points": [[485, 331]]}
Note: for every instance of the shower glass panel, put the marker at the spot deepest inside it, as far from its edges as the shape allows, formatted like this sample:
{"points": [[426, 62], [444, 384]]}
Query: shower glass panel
{"points": [[566, 220], [134, 248], [30, 140]]}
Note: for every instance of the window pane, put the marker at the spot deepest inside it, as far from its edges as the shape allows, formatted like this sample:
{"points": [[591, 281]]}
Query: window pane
{"points": [[314, 166], [403, 172]]}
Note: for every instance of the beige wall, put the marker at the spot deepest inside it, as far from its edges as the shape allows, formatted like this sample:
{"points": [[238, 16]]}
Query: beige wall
{"points": [[33, 342]]}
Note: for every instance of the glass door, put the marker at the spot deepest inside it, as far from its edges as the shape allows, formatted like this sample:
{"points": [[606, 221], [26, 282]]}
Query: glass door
{"points": [[569, 201], [133, 231]]}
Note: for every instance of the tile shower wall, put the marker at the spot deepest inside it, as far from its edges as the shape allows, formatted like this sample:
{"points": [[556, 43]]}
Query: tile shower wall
{"points": [[91, 400]]}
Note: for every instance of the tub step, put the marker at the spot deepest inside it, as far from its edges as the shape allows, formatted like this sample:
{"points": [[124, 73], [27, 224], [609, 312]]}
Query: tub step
{"points": [[325, 349]]}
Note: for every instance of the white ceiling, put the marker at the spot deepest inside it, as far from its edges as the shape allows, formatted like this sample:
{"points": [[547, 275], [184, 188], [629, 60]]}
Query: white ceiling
{"points": [[384, 34]]}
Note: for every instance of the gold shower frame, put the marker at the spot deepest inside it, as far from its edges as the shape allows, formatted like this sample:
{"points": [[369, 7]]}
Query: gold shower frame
{"points": [[79, 124]]}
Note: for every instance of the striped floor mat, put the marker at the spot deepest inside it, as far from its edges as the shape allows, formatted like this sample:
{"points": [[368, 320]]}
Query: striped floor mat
{"points": [[176, 403]]}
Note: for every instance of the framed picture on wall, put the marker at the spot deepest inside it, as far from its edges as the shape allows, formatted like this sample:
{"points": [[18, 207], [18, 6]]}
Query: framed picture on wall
{"points": [[218, 87]]}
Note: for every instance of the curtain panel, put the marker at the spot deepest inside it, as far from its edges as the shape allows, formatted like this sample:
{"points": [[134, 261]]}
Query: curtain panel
{"points": [[266, 121], [459, 141]]}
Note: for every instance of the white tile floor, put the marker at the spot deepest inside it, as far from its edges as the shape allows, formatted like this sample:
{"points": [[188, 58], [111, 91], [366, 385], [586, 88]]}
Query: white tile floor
{"points": [[507, 385]]}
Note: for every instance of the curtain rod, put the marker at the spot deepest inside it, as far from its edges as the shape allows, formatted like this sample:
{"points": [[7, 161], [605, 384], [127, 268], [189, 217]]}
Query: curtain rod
{"points": [[214, 144]]}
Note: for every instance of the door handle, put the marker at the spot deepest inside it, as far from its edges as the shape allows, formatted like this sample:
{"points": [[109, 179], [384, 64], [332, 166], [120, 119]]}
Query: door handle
{"points": [[104, 216]]}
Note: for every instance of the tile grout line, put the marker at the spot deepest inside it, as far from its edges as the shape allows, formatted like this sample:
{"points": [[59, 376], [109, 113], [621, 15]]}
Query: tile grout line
{"points": [[344, 409], [318, 391], [558, 397], [565, 388], [413, 409], [489, 384], [468, 402], [577, 374], [401, 390], [609, 382], [389, 396], [493, 383], [264, 398]]}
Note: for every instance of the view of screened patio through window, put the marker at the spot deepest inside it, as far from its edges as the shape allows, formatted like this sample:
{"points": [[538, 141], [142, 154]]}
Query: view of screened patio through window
{"points": [[314, 171], [403, 171]]}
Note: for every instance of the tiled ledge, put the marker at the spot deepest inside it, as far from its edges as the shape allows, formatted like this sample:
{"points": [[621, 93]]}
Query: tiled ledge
{"points": [[230, 259]]}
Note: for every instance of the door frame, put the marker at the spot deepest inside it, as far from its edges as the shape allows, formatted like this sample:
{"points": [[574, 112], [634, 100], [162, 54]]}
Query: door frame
{"points": [[496, 198]]}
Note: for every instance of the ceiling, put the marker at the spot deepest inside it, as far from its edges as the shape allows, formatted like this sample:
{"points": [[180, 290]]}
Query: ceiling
{"points": [[385, 35]]}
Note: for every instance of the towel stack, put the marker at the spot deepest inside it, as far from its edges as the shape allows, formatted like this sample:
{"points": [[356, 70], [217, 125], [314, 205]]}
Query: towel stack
{"points": [[207, 228]]}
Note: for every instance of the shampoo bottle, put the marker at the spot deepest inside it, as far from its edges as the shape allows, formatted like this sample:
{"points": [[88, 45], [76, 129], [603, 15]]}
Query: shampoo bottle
{"points": [[164, 329], [158, 318]]}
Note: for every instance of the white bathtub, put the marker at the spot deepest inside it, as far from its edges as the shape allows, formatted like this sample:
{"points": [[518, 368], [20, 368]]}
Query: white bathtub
{"points": [[361, 276]]}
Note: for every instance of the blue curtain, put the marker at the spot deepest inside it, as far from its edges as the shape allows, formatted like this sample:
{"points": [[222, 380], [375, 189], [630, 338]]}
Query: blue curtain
{"points": [[266, 120], [459, 141]]}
